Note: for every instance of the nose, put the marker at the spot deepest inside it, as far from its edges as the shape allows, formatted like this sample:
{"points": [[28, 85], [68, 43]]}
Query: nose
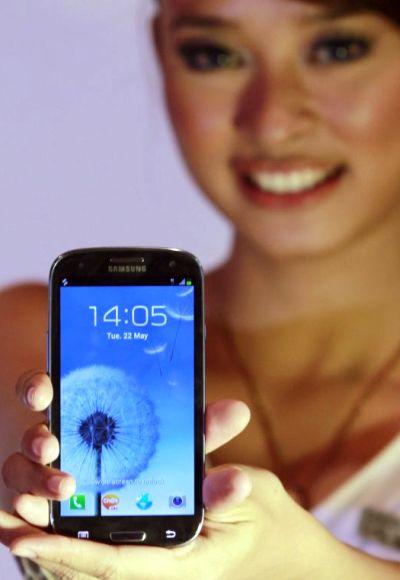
{"points": [[275, 108]]}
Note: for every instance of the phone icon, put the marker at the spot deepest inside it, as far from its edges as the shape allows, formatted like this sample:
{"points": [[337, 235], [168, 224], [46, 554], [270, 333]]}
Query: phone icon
{"points": [[77, 502]]}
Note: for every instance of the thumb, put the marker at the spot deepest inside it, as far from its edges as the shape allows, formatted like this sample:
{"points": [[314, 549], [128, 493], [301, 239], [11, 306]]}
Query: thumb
{"points": [[224, 489]]}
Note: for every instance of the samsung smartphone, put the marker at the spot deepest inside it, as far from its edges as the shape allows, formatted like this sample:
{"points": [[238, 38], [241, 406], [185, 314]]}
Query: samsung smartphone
{"points": [[126, 358]]}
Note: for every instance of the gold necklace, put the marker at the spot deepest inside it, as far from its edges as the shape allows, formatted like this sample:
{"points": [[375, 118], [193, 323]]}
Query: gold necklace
{"points": [[302, 491]]}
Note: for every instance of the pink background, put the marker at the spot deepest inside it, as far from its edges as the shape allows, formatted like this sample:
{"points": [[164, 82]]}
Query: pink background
{"points": [[87, 155]]}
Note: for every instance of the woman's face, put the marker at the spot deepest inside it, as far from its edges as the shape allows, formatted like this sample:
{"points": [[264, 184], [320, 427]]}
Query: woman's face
{"points": [[288, 116]]}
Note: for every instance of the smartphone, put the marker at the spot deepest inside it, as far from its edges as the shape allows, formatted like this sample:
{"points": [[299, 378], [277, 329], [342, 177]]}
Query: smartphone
{"points": [[126, 359]]}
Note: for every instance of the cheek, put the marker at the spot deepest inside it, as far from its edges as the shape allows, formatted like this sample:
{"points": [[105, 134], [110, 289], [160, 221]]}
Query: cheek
{"points": [[200, 115], [202, 120], [366, 114], [364, 120]]}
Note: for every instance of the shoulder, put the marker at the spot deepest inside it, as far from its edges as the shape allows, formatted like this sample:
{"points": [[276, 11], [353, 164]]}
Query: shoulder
{"points": [[23, 315], [23, 298], [23, 295]]}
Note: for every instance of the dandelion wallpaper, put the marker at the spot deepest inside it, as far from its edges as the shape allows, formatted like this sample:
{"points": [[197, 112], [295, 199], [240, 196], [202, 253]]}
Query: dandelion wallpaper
{"points": [[127, 399]]}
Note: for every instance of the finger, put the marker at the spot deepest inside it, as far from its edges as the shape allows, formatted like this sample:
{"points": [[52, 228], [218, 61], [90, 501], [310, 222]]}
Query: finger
{"points": [[33, 509], [225, 420], [225, 488], [34, 389], [39, 445], [23, 476], [61, 572], [99, 560], [13, 528]]}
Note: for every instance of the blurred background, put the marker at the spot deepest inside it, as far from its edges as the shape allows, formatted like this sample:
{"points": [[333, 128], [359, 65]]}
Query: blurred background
{"points": [[87, 154]]}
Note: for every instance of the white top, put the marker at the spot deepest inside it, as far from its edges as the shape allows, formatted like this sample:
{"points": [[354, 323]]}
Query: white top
{"points": [[371, 495]]}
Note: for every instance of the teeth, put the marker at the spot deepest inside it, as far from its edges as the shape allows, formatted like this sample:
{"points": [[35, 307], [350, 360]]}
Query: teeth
{"points": [[290, 183]]}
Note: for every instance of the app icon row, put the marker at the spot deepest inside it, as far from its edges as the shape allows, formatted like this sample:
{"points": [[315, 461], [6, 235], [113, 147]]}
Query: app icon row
{"points": [[111, 502]]}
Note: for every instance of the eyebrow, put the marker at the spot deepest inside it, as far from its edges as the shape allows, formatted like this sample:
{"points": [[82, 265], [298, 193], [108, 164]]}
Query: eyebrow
{"points": [[202, 21], [209, 21], [336, 11]]}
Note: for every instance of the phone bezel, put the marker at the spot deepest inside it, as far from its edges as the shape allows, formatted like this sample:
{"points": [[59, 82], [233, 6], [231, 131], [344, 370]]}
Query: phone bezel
{"points": [[161, 263]]}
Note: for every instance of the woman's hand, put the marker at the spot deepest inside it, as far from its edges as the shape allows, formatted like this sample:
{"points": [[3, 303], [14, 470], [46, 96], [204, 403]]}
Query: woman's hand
{"points": [[266, 537], [27, 474], [248, 533]]}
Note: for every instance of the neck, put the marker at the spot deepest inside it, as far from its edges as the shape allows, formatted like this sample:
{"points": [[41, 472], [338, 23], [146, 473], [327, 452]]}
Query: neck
{"points": [[334, 313]]}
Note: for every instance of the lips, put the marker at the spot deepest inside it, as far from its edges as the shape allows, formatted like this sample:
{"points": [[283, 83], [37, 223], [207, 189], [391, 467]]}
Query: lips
{"points": [[286, 185]]}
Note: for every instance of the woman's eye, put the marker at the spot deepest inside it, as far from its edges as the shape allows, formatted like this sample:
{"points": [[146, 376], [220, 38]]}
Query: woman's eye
{"points": [[339, 50], [209, 57]]}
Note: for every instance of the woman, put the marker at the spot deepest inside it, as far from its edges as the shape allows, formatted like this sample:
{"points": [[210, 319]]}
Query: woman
{"points": [[287, 114]]}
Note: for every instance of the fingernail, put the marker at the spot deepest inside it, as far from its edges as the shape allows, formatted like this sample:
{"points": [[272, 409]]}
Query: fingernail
{"points": [[55, 483], [23, 552], [37, 446], [59, 484], [31, 396], [36, 398]]}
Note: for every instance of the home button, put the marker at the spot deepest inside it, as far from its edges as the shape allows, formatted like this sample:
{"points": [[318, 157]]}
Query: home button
{"points": [[127, 537]]}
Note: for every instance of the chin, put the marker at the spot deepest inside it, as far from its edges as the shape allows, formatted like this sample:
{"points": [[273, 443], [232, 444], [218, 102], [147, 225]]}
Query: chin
{"points": [[294, 248]]}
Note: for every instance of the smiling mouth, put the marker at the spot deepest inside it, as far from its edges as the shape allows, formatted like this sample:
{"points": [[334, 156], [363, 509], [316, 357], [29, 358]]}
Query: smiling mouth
{"points": [[293, 183], [289, 188]]}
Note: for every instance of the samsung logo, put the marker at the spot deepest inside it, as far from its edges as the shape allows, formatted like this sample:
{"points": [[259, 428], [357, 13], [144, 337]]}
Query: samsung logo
{"points": [[127, 269]]}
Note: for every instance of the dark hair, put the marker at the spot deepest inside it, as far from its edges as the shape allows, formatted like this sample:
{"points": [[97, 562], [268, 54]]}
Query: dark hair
{"points": [[388, 8]]}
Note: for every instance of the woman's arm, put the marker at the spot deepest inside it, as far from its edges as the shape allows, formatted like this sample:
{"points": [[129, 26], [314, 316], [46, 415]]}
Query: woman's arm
{"points": [[352, 563], [23, 316]]}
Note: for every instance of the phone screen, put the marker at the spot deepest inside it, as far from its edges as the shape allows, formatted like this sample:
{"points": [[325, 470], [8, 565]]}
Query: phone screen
{"points": [[127, 399]]}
